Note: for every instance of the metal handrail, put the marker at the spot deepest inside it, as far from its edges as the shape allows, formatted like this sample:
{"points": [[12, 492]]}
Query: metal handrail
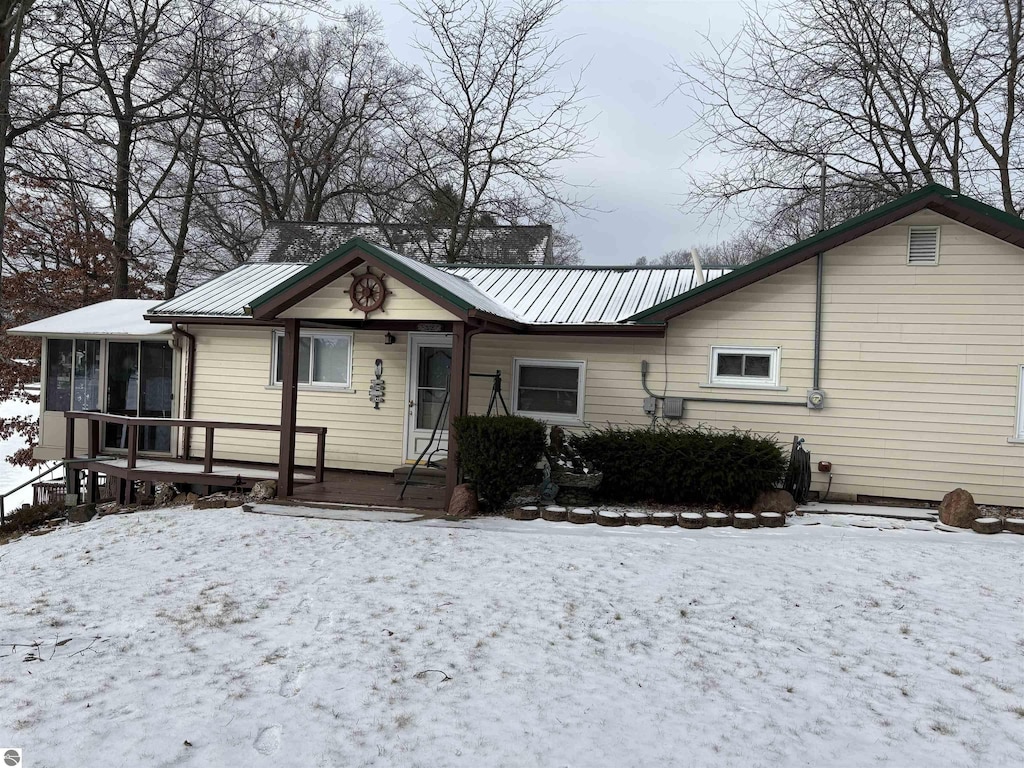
{"points": [[3, 496]]}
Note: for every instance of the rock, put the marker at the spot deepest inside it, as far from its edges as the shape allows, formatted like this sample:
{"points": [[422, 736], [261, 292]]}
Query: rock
{"points": [[611, 518], [1014, 524], [776, 500], [580, 515], [958, 509], [717, 519], [691, 520], [164, 493], [264, 490], [83, 513], [464, 502], [211, 502], [744, 520], [772, 519]]}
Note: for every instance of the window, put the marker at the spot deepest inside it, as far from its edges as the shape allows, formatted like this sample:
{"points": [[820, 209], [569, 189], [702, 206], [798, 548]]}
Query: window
{"points": [[1020, 404], [72, 375], [923, 246], [325, 359], [745, 366], [551, 389]]}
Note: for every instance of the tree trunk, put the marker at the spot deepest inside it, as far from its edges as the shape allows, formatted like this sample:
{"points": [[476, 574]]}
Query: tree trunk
{"points": [[122, 227]]}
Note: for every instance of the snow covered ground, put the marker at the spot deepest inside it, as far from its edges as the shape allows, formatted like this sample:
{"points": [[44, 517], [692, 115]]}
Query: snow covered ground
{"points": [[223, 638], [11, 476]]}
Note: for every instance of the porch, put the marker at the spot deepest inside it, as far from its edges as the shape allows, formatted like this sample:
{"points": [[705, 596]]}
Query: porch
{"points": [[310, 484]]}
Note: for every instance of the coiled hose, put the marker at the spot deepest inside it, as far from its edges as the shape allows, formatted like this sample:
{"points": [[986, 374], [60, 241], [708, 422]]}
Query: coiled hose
{"points": [[798, 474]]}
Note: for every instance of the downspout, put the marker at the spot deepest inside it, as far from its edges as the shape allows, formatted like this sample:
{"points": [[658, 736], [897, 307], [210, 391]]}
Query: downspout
{"points": [[817, 322], [190, 374]]}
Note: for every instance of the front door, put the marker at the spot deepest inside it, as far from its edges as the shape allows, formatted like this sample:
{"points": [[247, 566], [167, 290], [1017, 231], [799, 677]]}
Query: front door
{"points": [[430, 362]]}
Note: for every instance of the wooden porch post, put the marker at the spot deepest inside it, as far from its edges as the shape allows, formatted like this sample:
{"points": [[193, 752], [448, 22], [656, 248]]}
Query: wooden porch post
{"points": [[456, 405], [289, 407]]}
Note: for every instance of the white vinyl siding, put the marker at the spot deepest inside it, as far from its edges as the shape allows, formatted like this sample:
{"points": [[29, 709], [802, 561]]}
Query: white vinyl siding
{"points": [[325, 359], [552, 390], [744, 366], [923, 246]]}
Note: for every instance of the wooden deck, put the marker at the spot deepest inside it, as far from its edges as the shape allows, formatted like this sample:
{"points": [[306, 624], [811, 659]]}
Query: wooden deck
{"points": [[339, 487], [368, 489]]}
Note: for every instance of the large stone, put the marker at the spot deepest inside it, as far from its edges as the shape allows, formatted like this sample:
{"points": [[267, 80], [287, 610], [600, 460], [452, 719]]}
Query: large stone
{"points": [[211, 502], [464, 502], [264, 490], [776, 500], [958, 509], [83, 513], [163, 493]]}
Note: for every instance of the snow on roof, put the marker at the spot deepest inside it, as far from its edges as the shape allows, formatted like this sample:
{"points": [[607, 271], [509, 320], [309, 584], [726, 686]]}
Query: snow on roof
{"points": [[117, 317]]}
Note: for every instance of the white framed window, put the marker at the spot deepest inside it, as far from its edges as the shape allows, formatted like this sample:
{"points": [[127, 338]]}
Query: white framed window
{"points": [[745, 366], [325, 359], [923, 246], [1019, 432], [548, 389]]}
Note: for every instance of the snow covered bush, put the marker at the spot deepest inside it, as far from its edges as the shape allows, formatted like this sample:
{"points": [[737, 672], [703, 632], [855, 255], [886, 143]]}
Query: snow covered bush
{"points": [[683, 464], [499, 454]]}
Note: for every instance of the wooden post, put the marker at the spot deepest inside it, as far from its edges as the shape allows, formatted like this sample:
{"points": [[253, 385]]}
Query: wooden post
{"points": [[289, 408], [208, 451], [321, 454], [456, 405], [133, 445], [71, 469], [92, 491]]}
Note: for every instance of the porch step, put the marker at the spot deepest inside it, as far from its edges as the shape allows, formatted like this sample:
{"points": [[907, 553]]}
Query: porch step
{"points": [[422, 476]]}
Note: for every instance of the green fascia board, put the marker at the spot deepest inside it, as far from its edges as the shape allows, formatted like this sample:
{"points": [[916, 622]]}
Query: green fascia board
{"points": [[344, 250], [931, 190]]}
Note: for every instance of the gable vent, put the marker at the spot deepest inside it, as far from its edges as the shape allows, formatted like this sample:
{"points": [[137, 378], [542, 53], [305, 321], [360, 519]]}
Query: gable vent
{"points": [[923, 246]]}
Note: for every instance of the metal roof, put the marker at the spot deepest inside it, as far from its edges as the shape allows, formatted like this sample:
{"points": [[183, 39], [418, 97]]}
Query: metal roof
{"points": [[579, 295], [228, 294], [525, 294], [293, 242]]}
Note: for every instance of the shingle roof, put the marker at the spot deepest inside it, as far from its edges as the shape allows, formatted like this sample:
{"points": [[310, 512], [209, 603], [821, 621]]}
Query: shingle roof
{"points": [[296, 242]]}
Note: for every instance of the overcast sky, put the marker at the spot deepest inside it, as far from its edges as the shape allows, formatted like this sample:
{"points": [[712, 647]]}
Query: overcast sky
{"points": [[639, 142]]}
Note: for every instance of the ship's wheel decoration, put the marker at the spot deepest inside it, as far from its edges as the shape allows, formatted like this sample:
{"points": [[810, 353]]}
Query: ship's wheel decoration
{"points": [[368, 292]]}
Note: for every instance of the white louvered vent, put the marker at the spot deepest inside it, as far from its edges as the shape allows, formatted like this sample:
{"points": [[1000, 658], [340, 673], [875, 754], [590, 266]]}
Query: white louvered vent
{"points": [[923, 246]]}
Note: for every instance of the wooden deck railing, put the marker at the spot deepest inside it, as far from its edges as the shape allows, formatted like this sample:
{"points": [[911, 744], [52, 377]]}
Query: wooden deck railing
{"points": [[132, 424]]}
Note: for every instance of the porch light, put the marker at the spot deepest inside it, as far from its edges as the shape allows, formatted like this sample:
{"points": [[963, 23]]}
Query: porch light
{"points": [[388, 338]]}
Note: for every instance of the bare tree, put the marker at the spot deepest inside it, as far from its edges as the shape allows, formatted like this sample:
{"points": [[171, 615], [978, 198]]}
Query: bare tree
{"points": [[32, 88], [495, 127], [890, 94]]}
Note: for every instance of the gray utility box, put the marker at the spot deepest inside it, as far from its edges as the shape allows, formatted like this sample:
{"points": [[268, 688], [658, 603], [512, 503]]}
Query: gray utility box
{"points": [[673, 408]]}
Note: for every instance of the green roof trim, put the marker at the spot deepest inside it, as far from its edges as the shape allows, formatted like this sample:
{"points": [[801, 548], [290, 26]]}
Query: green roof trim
{"points": [[912, 200], [357, 243]]}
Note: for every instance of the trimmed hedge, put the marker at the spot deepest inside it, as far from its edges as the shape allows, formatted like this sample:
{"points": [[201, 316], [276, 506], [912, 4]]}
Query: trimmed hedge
{"points": [[683, 465], [499, 454]]}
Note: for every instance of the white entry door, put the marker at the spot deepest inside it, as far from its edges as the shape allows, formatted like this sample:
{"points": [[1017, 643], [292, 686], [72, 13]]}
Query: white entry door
{"points": [[430, 363]]}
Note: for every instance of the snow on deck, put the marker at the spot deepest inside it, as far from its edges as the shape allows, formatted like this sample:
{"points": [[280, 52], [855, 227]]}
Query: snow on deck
{"points": [[264, 641], [183, 468]]}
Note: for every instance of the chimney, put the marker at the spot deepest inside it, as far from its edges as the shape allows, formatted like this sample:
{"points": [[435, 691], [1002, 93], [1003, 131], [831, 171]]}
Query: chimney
{"points": [[698, 270]]}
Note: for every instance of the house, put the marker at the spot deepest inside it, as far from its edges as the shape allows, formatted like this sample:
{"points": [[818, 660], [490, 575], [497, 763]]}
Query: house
{"points": [[893, 344]]}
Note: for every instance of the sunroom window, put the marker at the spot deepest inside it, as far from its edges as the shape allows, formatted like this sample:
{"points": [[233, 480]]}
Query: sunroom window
{"points": [[745, 366], [72, 375], [325, 359], [549, 389]]}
